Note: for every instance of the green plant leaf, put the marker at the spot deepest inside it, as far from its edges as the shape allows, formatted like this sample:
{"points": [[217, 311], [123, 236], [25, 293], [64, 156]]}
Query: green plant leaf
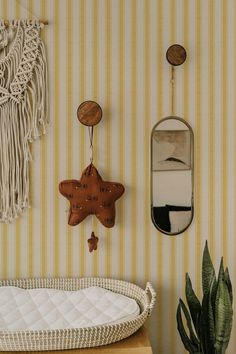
{"points": [[213, 291], [207, 325], [228, 283], [221, 270], [193, 337], [216, 284], [208, 271], [193, 304], [188, 344], [223, 317]]}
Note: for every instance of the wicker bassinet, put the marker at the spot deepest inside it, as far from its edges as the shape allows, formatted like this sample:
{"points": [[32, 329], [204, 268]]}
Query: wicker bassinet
{"points": [[60, 339]]}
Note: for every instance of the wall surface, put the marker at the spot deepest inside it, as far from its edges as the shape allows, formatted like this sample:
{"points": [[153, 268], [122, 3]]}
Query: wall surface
{"points": [[113, 52]]}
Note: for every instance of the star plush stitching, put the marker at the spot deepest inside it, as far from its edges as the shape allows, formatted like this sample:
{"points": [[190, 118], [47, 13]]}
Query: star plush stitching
{"points": [[91, 195]]}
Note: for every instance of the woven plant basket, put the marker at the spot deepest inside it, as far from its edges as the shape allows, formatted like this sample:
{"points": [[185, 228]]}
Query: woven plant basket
{"points": [[60, 339]]}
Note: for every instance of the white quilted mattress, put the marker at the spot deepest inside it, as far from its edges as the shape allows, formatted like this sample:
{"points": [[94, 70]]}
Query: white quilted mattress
{"points": [[40, 309]]}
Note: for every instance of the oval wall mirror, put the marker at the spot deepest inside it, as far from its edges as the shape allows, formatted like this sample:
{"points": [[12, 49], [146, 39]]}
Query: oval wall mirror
{"points": [[172, 175]]}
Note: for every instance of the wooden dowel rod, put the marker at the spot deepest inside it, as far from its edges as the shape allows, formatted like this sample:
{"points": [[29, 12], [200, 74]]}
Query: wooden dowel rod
{"points": [[45, 22]]}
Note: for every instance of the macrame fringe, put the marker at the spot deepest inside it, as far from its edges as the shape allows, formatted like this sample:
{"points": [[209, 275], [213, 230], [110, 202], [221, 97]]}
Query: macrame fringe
{"points": [[23, 115]]}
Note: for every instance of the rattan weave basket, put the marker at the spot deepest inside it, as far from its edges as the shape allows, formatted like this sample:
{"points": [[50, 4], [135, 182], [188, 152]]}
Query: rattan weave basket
{"points": [[60, 339]]}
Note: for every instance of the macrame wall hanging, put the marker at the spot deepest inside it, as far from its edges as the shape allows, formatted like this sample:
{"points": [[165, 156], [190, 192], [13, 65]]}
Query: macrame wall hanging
{"points": [[23, 109], [90, 194]]}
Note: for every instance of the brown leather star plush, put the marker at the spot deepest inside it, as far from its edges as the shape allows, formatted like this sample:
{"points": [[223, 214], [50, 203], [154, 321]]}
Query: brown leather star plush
{"points": [[91, 195]]}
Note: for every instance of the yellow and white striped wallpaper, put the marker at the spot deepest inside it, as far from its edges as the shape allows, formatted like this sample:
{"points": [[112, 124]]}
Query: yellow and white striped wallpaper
{"points": [[113, 52]]}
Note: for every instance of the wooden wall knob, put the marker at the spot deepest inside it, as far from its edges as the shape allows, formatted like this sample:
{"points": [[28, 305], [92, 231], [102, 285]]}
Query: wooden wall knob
{"points": [[176, 54], [89, 113]]}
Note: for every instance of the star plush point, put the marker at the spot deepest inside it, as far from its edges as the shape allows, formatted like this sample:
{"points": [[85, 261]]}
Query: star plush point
{"points": [[91, 195]]}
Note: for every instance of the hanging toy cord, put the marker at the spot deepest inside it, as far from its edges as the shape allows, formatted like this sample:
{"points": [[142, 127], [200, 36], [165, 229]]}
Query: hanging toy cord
{"points": [[90, 130], [172, 81], [93, 239]]}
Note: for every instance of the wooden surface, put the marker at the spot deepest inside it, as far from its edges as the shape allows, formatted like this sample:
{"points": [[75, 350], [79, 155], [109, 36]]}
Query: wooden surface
{"points": [[89, 113], [138, 343], [176, 55]]}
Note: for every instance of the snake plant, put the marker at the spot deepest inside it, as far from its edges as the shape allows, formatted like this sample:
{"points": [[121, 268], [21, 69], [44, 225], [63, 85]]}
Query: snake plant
{"points": [[208, 324]]}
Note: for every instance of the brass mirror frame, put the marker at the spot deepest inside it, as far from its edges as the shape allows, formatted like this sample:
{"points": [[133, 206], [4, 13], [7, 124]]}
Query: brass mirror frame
{"points": [[192, 174]]}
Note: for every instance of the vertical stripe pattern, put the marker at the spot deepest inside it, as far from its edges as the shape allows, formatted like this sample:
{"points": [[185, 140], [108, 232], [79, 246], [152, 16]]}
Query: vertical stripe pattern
{"points": [[113, 52]]}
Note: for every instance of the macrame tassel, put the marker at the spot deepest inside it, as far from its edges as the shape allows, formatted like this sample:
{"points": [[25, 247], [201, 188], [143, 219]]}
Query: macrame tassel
{"points": [[23, 115], [36, 99], [3, 35]]}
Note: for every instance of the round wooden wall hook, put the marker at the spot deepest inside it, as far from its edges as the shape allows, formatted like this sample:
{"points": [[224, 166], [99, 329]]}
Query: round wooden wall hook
{"points": [[89, 113], [176, 54]]}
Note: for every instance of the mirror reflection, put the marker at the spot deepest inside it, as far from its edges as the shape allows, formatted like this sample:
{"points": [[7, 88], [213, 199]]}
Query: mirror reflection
{"points": [[172, 175]]}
